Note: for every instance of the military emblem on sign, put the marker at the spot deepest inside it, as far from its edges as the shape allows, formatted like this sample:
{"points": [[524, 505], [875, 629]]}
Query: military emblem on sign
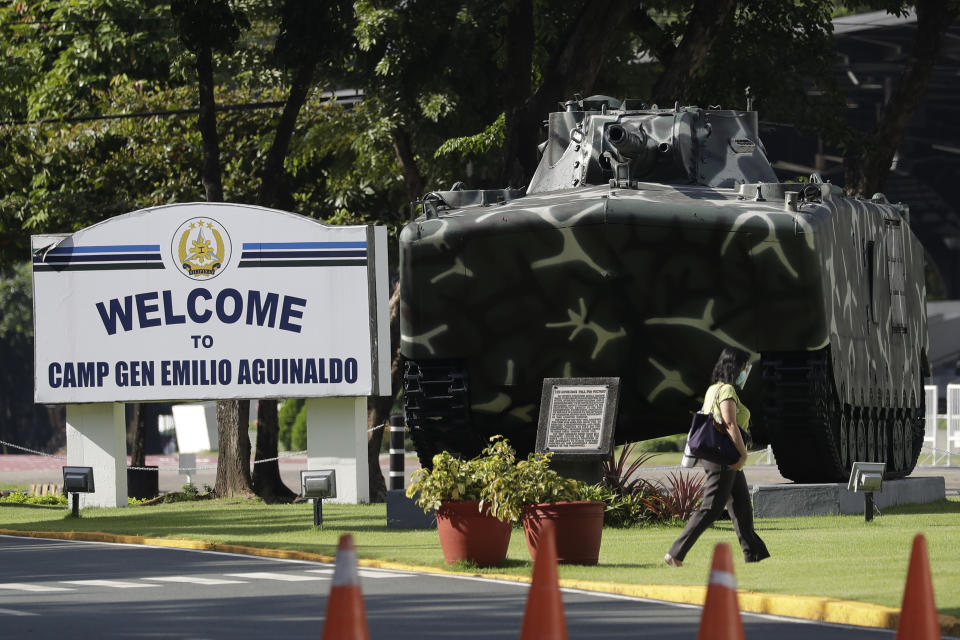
{"points": [[201, 246]]}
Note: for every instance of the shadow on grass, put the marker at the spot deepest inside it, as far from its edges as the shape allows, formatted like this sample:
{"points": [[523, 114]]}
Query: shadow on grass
{"points": [[34, 506], [941, 506], [468, 567], [220, 520]]}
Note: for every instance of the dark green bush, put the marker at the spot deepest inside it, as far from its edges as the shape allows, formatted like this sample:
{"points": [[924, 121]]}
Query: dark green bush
{"points": [[188, 493], [286, 416], [20, 497], [632, 500], [298, 434], [666, 443]]}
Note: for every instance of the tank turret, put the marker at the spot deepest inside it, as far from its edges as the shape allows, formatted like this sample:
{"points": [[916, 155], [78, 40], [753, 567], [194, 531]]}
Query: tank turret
{"points": [[646, 241]]}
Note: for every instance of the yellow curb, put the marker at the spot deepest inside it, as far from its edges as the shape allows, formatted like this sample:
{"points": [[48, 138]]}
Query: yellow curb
{"points": [[821, 609]]}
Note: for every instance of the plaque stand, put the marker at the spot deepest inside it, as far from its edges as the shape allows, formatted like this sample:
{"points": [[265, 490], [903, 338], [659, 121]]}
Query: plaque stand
{"points": [[589, 470]]}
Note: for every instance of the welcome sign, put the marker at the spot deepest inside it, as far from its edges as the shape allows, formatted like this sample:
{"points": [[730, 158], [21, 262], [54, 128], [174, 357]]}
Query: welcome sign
{"points": [[210, 301]]}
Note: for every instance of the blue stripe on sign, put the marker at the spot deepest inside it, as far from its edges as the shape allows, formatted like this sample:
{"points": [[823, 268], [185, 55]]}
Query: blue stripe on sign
{"points": [[258, 246], [302, 254], [129, 257], [121, 248]]}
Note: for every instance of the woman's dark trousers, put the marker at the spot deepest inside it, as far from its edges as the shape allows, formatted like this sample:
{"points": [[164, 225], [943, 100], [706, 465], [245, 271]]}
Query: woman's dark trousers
{"points": [[723, 488]]}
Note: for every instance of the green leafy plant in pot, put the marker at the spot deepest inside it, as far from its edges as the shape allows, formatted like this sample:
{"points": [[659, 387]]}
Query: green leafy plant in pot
{"points": [[535, 493], [467, 527]]}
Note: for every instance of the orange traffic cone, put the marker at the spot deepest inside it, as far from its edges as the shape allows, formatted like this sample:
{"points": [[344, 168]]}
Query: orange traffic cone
{"points": [[543, 618], [721, 613], [346, 616], [918, 614]]}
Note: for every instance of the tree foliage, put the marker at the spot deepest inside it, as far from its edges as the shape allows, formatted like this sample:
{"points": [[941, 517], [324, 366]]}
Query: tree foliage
{"points": [[18, 415]]}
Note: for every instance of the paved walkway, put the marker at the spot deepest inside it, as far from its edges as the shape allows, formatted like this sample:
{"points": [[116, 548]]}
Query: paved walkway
{"points": [[768, 474]]}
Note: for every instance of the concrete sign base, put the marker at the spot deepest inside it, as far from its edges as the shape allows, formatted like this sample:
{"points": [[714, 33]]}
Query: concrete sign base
{"points": [[96, 437]]}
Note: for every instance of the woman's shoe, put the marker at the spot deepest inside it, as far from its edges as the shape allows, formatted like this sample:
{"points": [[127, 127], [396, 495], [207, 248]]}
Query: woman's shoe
{"points": [[763, 555], [671, 561]]}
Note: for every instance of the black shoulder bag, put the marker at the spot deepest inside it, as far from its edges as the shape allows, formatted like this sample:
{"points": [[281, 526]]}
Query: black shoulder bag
{"points": [[707, 442]]}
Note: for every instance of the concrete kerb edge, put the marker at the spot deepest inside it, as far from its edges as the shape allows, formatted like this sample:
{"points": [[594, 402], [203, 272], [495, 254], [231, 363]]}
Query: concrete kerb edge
{"points": [[815, 608]]}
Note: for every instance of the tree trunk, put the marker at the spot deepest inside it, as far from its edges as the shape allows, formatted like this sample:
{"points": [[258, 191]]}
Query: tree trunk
{"points": [[520, 38], [207, 122], [865, 172], [378, 408], [654, 39], [572, 68], [267, 482], [408, 163], [706, 21], [272, 188], [233, 460], [137, 436]]}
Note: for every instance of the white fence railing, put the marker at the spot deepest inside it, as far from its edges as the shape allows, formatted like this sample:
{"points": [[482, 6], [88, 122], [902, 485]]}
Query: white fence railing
{"points": [[931, 425], [953, 421], [941, 435]]}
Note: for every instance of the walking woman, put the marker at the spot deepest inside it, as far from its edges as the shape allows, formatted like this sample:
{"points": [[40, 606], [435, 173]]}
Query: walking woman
{"points": [[725, 487]]}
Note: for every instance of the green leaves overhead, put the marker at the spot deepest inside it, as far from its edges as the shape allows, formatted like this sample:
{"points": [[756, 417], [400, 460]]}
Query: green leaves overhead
{"points": [[62, 53], [487, 140], [451, 91], [213, 24], [107, 58], [301, 24]]}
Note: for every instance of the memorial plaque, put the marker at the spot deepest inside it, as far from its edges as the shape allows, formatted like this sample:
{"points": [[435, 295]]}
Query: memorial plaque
{"points": [[577, 417], [575, 420]]}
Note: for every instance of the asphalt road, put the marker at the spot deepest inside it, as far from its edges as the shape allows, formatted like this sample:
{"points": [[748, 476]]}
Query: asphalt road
{"points": [[75, 590]]}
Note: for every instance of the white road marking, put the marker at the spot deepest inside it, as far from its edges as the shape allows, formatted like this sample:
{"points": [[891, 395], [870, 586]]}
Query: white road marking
{"points": [[14, 612], [113, 584], [195, 580], [373, 573], [33, 547], [366, 573], [266, 575], [21, 586]]}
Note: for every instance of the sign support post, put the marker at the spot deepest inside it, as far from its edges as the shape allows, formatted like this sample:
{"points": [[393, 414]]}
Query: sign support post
{"points": [[337, 439], [96, 438]]}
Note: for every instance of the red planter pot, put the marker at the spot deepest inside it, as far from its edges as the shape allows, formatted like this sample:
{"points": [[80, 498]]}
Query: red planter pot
{"points": [[468, 534], [578, 527]]}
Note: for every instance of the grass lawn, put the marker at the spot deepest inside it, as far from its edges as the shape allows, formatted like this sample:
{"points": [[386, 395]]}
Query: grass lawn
{"points": [[835, 556]]}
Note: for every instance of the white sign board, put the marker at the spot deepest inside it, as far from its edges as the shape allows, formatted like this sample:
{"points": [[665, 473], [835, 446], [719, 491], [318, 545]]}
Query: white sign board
{"points": [[210, 301]]}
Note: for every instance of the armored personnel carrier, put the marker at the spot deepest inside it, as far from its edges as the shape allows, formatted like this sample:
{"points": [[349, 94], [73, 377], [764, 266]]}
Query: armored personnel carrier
{"points": [[647, 240]]}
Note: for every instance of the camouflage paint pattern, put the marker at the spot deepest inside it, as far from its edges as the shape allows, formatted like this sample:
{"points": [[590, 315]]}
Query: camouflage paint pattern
{"points": [[647, 281]]}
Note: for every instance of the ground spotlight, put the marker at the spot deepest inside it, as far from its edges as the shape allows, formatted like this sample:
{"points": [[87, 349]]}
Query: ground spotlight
{"points": [[867, 477], [77, 480], [318, 484]]}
